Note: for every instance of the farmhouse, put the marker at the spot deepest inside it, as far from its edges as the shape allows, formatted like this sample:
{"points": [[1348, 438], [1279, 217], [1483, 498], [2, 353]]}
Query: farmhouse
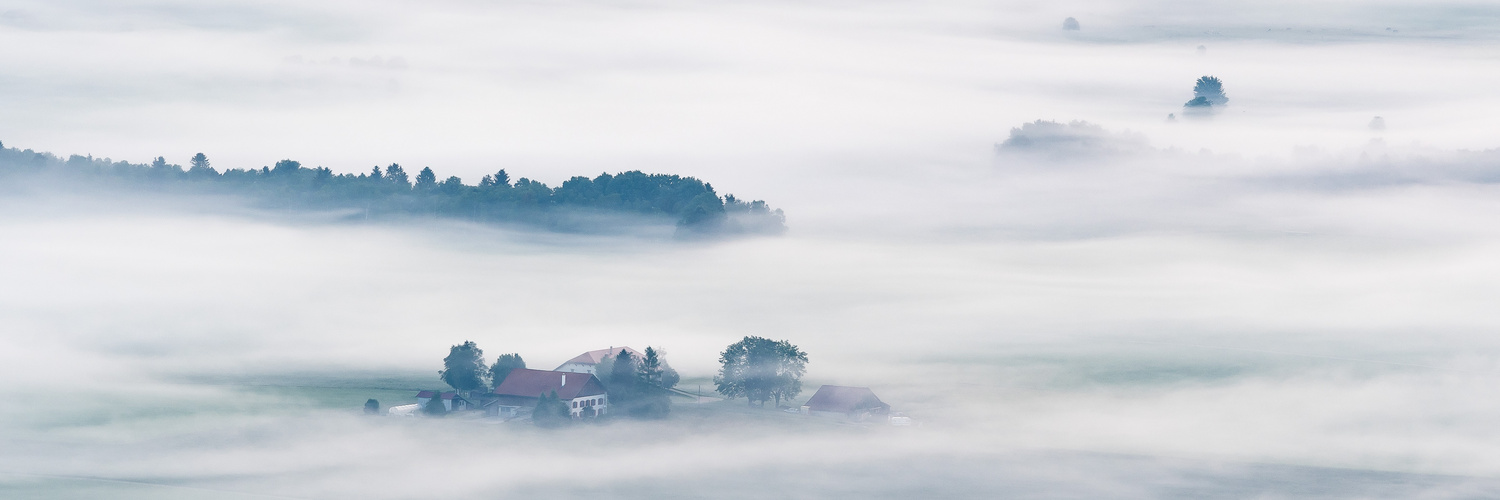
{"points": [[589, 362], [858, 403], [519, 393]]}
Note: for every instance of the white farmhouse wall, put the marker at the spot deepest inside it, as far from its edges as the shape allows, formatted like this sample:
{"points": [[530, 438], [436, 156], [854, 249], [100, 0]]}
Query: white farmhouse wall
{"points": [[577, 368]]}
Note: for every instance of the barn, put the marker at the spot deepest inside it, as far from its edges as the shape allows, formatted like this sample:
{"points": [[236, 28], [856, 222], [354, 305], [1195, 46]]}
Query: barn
{"points": [[856, 403], [589, 362]]}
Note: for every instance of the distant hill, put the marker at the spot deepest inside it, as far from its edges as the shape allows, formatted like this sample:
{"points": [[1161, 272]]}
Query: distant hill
{"points": [[580, 204]]}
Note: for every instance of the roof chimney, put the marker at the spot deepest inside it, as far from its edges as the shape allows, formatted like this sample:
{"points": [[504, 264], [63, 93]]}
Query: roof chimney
{"points": [[565, 379]]}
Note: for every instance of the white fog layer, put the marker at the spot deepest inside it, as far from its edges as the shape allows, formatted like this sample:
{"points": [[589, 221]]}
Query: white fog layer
{"points": [[1281, 299]]}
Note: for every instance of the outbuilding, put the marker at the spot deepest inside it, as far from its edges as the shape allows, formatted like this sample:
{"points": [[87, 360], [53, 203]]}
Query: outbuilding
{"points": [[855, 403], [451, 400], [589, 362]]}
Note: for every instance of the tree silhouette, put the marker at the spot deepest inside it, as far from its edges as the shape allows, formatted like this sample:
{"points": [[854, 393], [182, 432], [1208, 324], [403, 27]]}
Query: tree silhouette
{"points": [[464, 368], [504, 364], [397, 176], [761, 369], [199, 166], [426, 179], [551, 411], [1211, 90], [652, 199]]}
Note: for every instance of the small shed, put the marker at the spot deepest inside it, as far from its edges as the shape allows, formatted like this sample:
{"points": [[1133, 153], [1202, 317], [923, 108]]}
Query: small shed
{"points": [[451, 400], [858, 403]]}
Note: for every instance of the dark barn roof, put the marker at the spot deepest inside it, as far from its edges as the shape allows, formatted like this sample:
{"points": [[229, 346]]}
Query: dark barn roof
{"points": [[534, 383], [841, 399]]}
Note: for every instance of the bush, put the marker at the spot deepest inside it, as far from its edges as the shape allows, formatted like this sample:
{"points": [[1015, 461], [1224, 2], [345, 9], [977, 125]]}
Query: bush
{"points": [[551, 412]]}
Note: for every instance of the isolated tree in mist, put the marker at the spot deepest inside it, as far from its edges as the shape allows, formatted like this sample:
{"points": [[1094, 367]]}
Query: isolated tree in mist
{"points": [[464, 368], [1070, 24], [372, 406], [504, 364], [1209, 90], [551, 411], [760, 370]]}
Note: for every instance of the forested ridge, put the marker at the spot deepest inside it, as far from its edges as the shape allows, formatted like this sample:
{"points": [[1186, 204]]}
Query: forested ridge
{"points": [[647, 199]]}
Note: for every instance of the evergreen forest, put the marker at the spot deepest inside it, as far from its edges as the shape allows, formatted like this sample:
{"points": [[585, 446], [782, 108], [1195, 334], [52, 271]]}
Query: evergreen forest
{"points": [[604, 203]]}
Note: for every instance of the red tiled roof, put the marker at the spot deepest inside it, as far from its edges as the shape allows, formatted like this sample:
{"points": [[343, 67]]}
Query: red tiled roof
{"points": [[842, 399], [534, 383], [594, 357], [425, 394]]}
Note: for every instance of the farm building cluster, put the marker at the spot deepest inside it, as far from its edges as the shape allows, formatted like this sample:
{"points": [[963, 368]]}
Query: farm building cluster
{"points": [[576, 383]]}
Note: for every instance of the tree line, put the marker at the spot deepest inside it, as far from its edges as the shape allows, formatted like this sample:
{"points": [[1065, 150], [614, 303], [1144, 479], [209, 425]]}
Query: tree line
{"points": [[693, 205]]}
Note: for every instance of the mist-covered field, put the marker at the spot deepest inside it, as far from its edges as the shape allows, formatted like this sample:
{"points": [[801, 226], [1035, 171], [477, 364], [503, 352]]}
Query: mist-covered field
{"points": [[1279, 300]]}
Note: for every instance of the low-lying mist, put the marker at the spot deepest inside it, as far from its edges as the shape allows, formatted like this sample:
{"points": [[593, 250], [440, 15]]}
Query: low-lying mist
{"points": [[1153, 325]]}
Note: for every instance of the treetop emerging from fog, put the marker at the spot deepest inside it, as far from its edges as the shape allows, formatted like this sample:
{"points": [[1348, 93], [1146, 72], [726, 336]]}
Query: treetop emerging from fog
{"points": [[577, 205], [1208, 92]]}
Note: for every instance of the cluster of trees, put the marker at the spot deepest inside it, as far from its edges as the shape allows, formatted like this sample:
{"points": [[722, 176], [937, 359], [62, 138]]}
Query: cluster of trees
{"points": [[692, 204], [639, 387], [760, 370], [551, 411], [465, 371]]}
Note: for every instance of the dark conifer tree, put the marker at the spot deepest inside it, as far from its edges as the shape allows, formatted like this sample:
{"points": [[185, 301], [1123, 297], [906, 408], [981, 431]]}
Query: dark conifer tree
{"points": [[426, 179], [396, 175], [199, 166]]}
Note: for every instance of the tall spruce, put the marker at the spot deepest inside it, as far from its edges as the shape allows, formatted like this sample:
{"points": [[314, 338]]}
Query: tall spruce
{"points": [[622, 380]]}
